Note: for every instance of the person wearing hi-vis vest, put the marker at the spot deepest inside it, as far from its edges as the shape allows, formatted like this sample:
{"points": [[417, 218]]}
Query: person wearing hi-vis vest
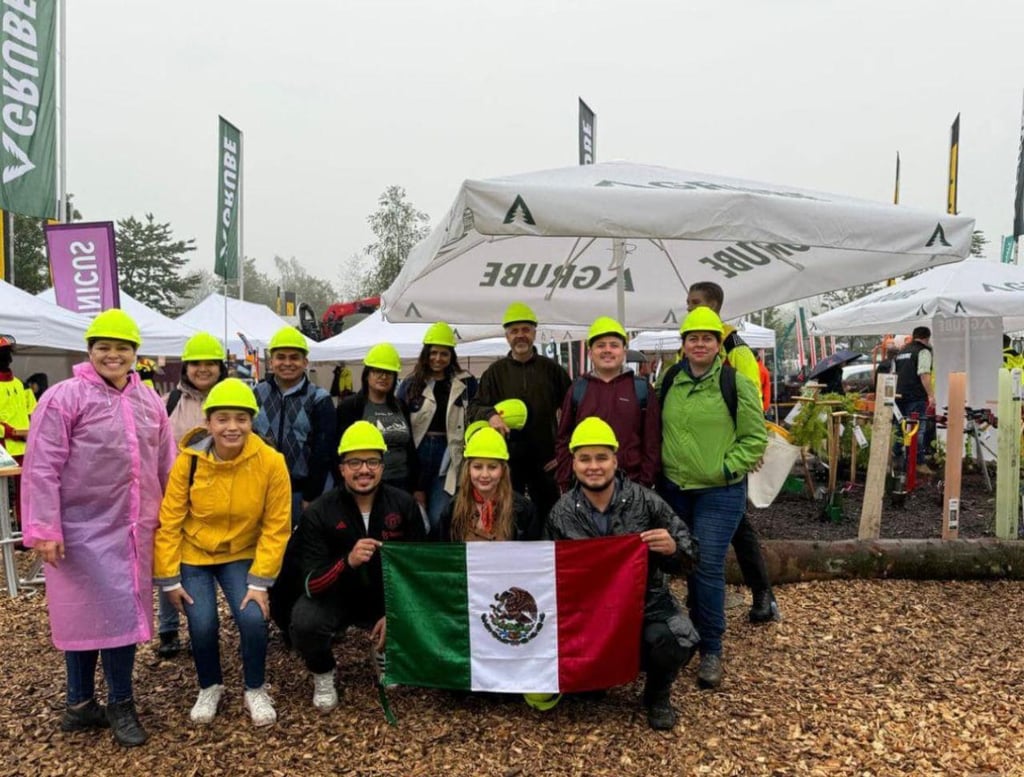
{"points": [[541, 384], [605, 503], [915, 388], [745, 541], [16, 406]]}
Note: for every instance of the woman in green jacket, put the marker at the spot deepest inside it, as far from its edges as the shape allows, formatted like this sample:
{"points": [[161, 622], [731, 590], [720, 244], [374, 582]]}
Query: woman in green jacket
{"points": [[712, 435]]}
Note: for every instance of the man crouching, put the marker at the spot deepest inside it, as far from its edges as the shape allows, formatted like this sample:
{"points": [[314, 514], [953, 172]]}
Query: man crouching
{"points": [[333, 557], [605, 503]]}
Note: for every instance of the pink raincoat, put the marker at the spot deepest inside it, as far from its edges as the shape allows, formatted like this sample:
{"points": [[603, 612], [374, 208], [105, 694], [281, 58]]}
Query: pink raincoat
{"points": [[94, 474]]}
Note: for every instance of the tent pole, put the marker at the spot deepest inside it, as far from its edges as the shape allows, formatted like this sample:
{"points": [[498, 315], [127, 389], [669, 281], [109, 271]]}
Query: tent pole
{"points": [[619, 260]]}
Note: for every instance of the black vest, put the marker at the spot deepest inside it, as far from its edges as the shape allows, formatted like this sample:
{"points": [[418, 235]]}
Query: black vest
{"points": [[908, 382]]}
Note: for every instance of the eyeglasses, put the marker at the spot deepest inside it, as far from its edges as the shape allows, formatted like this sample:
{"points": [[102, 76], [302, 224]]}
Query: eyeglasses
{"points": [[357, 464]]}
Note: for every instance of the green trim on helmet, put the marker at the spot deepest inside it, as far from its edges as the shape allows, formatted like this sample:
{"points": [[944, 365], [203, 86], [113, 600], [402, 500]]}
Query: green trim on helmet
{"points": [[231, 393], [288, 337], [383, 356], [362, 436], [593, 431]]}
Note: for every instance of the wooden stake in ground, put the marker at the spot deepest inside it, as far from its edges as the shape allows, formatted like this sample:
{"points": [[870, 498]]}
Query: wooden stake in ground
{"points": [[878, 461], [1008, 459], [954, 455]]}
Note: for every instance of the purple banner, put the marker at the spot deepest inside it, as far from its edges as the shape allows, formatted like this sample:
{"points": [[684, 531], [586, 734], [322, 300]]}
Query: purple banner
{"points": [[83, 266]]}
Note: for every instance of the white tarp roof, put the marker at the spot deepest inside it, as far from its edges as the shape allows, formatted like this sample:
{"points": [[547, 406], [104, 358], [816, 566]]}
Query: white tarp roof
{"points": [[971, 289], [668, 339], [257, 322], [36, 322], [473, 339], [161, 336], [551, 239]]}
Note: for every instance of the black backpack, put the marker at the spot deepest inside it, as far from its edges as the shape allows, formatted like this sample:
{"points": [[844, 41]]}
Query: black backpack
{"points": [[172, 400], [726, 384]]}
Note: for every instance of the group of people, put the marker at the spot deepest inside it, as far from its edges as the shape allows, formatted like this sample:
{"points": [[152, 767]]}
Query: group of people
{"points": [[283, 500]]}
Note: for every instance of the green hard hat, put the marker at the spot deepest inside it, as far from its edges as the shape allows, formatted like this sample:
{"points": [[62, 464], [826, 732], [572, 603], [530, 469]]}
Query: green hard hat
{"points": [[231, 392], [288, 337], [203, 347], [114, 324], [440, 333], [486, 443], [593, 431], [362, 436]]}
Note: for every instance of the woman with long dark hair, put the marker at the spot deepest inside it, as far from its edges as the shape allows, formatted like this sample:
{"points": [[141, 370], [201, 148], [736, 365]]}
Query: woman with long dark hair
{"points": [[376, 402], [437, 395], [485, 507]]}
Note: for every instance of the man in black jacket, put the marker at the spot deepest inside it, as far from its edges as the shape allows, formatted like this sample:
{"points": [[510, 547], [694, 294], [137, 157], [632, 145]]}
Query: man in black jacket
{"points": [[541, 384], [605, 503], [333, 558]]}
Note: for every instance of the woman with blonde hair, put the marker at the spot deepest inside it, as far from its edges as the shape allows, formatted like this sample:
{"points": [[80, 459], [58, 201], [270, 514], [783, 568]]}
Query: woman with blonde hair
{"points": [[485, 507]]}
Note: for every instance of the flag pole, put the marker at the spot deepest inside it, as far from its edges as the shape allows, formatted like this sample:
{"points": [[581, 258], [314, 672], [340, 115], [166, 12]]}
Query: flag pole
{"points": [[895, 201], [241, 215], [62, 114]]}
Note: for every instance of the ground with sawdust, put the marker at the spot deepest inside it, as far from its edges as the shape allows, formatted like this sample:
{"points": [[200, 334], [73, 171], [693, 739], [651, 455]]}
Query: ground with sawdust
{"points": [[860, 678]]}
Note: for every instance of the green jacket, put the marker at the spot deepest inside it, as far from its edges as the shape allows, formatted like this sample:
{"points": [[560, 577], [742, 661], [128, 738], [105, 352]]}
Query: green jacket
{"points": [[700, 446]]}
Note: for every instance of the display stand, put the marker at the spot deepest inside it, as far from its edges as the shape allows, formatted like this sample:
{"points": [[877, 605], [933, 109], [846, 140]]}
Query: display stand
{"points": [[9, 538]]}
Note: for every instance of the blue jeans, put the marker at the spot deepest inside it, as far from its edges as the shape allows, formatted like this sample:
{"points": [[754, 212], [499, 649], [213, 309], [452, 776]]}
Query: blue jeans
{"points": [[169, 619], [117, 671], [431, 453], [204, 625], [712, 515]]}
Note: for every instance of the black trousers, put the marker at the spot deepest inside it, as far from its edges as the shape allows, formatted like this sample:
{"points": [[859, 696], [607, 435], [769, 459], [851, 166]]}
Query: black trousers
{"points": [[314, 623], [530, 479], [747, 546]]}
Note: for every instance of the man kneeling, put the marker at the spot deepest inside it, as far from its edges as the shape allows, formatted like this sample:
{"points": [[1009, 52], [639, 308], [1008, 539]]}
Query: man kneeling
{"points": [[334, 553], [605, 503]]}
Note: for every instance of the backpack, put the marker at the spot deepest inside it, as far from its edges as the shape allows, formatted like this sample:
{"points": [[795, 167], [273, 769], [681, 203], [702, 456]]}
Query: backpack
{"points": [[726, 384], [732, 341], [579, 390]]}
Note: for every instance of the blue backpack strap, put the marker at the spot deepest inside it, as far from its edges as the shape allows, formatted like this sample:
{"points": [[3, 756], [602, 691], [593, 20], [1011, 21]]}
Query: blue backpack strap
{"points": [[579, 389], [642, 388]]}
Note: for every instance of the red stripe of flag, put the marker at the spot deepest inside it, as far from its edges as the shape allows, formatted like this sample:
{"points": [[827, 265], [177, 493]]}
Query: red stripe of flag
{"points": [[601, 585]]}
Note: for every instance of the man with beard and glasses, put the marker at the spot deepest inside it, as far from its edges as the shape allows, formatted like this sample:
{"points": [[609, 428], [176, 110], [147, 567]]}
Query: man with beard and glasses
{"points": [[332, 563], [605, 503]]}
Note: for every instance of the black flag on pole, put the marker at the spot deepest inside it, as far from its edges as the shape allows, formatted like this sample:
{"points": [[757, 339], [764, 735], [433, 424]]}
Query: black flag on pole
{"points": [[588, 135], [1018, 202]]}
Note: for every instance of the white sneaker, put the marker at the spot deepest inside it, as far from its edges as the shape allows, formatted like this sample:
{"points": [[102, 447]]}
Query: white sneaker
{"points": [[260, 706], [205, 708], [325, 697]]}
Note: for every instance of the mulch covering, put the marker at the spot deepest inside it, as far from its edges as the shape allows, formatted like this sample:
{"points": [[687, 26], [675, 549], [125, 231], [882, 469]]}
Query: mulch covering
{"points": [[861, 678]]}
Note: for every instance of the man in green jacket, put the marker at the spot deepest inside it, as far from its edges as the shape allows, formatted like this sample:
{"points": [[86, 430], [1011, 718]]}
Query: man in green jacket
{"points": [[745, 542]]}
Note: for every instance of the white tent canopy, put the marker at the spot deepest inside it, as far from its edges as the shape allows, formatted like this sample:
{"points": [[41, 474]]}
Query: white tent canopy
{"points": [[660, 340], [975, 288], [161, 336], [257, 322], [474, 340], [556, 239], [36, 322]]}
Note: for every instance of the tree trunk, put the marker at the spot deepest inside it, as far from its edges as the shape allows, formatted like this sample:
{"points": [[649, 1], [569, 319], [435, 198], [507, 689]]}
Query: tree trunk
{"points": [[794, 561]]}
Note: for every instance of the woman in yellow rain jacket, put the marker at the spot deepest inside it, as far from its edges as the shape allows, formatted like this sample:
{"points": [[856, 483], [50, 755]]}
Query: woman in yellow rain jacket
{"points": [[225, 518]]}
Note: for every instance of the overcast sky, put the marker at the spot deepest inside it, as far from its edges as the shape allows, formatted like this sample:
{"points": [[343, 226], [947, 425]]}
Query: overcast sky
{"points": [[339, 99]]}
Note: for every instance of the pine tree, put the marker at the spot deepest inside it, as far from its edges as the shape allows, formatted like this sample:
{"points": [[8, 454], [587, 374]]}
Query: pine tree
{"points": [[150, 264]]}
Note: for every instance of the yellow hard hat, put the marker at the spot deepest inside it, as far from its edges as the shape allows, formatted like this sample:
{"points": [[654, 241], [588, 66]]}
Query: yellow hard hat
{"points": [[362, 436], [486, 444], [513, 413], [593, 431], [231, 392], [605, 325], [518, 313], [383, 356], [440, 333], [288, 337], [542, 701], [475, 427], [114, 324], [203, 347], [702, 319]]}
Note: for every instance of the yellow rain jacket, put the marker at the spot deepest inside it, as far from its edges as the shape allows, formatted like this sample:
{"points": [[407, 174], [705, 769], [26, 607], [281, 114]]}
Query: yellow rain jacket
{"points": [[215, 512]]}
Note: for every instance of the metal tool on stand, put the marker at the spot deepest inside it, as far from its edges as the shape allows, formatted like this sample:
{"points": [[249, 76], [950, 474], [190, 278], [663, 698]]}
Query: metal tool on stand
{"points": [[904, 466]]}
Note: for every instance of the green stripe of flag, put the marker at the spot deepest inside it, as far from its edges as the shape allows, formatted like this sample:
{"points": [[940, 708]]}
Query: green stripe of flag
{"points": [[426, 604]]}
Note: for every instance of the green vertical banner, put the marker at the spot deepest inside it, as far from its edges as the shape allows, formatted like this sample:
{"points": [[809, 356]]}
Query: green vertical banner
{"points": [[28, 109], [229, 195], [1007, 253]]}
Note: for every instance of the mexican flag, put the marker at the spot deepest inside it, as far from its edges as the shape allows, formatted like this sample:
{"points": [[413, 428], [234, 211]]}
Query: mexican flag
{"points": [[515, 617]]}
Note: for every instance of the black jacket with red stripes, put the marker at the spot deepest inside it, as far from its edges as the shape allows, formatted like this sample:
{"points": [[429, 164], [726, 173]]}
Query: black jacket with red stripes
{"points": [[330, 528]]}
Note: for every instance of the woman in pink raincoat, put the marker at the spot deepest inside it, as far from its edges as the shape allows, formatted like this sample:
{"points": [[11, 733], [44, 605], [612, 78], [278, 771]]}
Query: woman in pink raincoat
{"points": [[99, 453]]}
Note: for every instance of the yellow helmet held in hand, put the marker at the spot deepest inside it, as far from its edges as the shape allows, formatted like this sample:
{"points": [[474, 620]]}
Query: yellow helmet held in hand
{"points": [[486, 444], [114, 324], [513, 413], [440, 333], [231, 392], [288, 337], [362, 436], [702, 319], [475, 427], [519, 313], [203, 347], [383, 356], [605, 325], [542, 701], [593, 431]]}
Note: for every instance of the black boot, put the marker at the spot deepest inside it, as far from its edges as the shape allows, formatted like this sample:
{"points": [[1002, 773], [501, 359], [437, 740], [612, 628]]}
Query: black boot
{"points": [[764, 609], [89, 715], [658, 700], [124, 723], [170, 645]]}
